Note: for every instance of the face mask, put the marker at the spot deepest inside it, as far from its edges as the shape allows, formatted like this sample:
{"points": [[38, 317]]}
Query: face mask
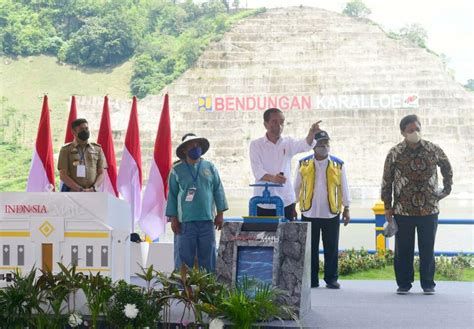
{"points": [[83, 135], [195, 153], [413, 137], [322, 151]]}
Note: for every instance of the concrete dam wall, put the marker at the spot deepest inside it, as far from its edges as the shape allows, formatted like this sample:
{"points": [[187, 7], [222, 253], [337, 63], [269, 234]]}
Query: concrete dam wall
{"points": [[315, 65]]}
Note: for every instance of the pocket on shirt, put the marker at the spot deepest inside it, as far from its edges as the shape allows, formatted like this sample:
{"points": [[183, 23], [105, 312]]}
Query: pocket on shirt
{"points": [[93, 156]]}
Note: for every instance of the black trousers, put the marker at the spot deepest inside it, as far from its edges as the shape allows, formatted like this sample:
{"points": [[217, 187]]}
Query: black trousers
{"points": [[425, 227], [289, 211], [329, 228]]}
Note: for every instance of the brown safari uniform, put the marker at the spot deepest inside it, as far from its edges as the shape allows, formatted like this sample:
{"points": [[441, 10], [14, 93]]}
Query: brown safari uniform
{"points": [[90, 155]]}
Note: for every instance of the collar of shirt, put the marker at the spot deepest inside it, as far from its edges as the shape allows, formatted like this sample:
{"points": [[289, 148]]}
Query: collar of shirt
{"points": [[76, 144], [321, 162], [405, 144], [280, 139]]}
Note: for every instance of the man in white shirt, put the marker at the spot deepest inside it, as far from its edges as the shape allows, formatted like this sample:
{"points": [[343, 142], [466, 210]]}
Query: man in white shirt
{"points": [[321, 186], [270, 158]]}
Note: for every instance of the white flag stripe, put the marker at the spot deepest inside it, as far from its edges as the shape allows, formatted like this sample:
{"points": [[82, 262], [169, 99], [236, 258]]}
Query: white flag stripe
{"points": [[153, 220], [128, 183], [38, 179], [107, 184]]}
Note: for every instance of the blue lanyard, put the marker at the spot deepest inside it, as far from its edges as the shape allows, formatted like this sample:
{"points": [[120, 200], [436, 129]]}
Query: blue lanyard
{"points": [[191, 172], [81, 153]]}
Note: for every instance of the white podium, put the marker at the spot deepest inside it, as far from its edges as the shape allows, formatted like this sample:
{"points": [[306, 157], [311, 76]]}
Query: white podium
{"points": [[89, 230]]}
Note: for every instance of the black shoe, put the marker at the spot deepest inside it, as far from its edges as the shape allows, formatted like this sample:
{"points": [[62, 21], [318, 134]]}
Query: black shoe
{"points": [[333, 285], [403, 291], [316, 285], [428, 291]]}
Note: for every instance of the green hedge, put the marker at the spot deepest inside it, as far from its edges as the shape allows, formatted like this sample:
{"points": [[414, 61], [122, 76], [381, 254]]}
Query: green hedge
{"points": [[354, 261]]}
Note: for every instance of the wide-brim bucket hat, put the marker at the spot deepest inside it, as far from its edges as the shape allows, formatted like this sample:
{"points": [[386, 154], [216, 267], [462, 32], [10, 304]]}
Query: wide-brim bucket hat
{"points": [[188, 138]]}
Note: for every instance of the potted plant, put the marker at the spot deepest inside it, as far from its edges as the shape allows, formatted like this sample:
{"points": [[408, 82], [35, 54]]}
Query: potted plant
{"points": [[192, 287], [250, 301], [20, 302], [133, 307], [98, 290]]}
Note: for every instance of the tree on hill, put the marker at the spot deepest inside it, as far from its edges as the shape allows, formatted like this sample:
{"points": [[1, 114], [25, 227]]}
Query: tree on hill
{"points": [[469, 85], [356, 8], [415, 33], [102, 41], [236, 4], [163, 37]]}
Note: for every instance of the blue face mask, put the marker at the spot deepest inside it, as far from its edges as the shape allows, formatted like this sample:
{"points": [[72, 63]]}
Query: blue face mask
{"points": [[195, 153]]}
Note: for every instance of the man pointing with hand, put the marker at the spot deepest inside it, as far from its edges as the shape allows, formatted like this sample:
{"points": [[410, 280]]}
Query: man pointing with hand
{"points": [[270, 158]]}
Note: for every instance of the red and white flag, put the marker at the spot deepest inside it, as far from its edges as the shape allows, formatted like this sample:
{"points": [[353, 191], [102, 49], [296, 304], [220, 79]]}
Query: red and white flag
{"points": [[69, 137], [129, 181], [72, 116], [153, 220], [41, 177], [106, 141]]}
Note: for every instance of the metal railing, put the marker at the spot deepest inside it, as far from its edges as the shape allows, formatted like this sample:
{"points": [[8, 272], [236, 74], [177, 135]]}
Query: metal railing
{"points": [[381, 242]]}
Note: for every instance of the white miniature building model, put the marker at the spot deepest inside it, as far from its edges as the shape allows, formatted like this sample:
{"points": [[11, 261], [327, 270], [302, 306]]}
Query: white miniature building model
{"points": [[89, 230]]}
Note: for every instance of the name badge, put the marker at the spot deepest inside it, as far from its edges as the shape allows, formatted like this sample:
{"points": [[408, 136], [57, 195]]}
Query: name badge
{"points": [[190, 194], [81, 171]]}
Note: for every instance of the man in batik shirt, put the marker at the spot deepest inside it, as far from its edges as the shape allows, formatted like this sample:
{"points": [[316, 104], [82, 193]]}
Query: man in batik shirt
{"points": [[410, 174]]}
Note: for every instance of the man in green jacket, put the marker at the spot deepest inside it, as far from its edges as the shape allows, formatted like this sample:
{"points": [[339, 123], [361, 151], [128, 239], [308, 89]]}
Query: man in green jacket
{"points": [[196, 204]]}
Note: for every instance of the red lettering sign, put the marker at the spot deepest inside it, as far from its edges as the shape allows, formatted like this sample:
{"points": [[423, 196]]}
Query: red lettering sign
{"points": [[229, 103], [25, 209], [218, 104]]}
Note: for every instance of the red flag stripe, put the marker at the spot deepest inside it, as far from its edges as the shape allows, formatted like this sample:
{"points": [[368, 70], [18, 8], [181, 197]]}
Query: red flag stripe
{"points": [[44, 143], [106, 141], [72, 116], [162, 152], [132, 138]]}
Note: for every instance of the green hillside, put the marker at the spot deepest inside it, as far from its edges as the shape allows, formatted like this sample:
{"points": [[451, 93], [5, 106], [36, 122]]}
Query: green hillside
{"points": [[93, 48], [27, 79], [24, 82]]}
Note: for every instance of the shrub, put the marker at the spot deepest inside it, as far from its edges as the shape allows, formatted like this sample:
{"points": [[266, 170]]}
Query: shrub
{"points": [[251, 301], [352, 261], [465, 261], [148, 306], [356, 8], [197, 290], [98, 290], [448, 268], [451, 267], [20, 302]]}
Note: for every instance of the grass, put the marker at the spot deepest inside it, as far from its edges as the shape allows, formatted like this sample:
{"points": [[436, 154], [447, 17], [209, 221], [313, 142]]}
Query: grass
{"points": [[14, 167], [387, 273], [25, 80]]}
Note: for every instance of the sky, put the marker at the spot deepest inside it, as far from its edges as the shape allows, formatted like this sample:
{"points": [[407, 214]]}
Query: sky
{"points": [[449, 23]]}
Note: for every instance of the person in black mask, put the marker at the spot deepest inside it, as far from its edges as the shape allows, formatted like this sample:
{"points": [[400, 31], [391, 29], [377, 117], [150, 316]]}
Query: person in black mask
{"points": [[81, 163]]}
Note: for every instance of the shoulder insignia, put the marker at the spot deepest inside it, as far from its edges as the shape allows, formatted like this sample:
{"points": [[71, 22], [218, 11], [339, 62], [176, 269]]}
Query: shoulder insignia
{"points": [[336, 159], [306, 159]]}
